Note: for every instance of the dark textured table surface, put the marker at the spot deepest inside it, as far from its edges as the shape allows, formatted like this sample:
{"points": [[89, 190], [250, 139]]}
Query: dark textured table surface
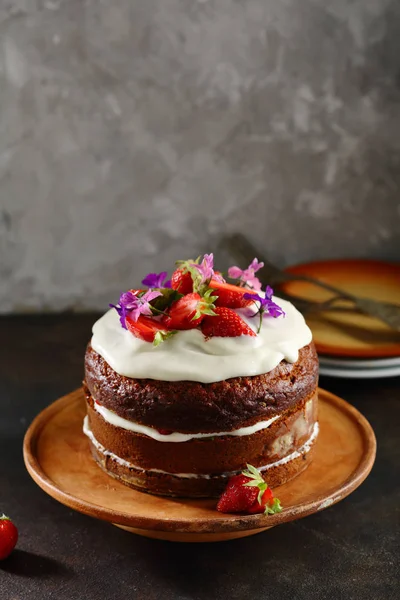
{"points": [[348, 551]]}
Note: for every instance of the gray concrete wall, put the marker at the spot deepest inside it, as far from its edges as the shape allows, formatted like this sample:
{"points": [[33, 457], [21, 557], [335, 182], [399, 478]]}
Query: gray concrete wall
{"points": [[134, 132]]}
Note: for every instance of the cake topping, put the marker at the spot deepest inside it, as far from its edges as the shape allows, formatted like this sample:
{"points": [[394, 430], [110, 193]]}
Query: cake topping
{"points": [[225, 323], [247, 277], [182, 281], [266, 307], [248, 493], [229, 295], [134, 303], [194, 291], [204, 343], [148, 330], [189, 311], [157, 280]]}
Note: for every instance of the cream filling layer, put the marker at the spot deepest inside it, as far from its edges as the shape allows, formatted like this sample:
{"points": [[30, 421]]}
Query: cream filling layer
{"points": [[187, 355], [100, 448], [117, 421]]}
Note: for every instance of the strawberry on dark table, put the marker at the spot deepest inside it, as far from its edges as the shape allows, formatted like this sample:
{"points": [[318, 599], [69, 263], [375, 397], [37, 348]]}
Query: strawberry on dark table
{"points": [[8, 536]]}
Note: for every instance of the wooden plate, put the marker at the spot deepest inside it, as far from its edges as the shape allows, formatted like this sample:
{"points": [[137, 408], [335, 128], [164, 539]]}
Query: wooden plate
{"points": [[349, 333], [57, 456]]}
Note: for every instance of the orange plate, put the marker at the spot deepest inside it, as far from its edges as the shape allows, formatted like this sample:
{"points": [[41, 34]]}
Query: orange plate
{"points": [[57, 456], [347, 332]]}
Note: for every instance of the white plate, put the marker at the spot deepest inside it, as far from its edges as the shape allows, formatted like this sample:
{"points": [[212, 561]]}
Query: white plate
{"points": [[350, 363], [369, 373]]}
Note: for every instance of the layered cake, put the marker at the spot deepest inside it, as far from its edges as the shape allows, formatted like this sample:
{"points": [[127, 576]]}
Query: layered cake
{"points": [[188, 381]]}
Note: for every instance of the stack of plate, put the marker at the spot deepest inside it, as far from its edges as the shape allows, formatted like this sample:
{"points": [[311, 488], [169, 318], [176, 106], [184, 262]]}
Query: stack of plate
{"points": [[359, 369], [351, 344]]}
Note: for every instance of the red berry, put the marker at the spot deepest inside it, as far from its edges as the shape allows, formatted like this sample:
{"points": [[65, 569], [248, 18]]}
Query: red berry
{"points": [[248, 493], [8, 536], [181, 281], [145, 328], [188, 312], [267, 498], [229, 295], [225, 323], [237, 497]]}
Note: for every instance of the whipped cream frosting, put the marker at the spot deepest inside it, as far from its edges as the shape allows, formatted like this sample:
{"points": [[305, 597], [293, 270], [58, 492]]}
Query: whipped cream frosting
{"points": [[114, 419], [296, 454], [187, 355]]}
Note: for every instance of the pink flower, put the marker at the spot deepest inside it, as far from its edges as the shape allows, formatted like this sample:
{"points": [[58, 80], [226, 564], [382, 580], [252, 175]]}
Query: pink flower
{"points": [[133, 305], [205, 268], [247, 276]]}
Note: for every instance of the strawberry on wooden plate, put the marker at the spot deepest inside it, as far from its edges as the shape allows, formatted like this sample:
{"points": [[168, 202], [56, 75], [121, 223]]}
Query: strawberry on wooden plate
{"points": [[248, 493], [225, 323]]}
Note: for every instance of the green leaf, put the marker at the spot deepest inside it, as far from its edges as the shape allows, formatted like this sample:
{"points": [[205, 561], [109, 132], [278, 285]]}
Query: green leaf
{"points": [[161, 336], [261, 492], [252, 483], [169, 296], [158, 338], [275, 507], [255, 473]]}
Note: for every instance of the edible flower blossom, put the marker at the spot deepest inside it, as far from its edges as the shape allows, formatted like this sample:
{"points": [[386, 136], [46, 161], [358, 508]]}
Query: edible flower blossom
{"points": [[133, 305], [157, 280], [267, 306], [205, 268], [248, 276]]}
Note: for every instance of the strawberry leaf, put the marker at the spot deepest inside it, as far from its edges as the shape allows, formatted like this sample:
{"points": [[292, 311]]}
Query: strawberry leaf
{"points": [[168, 297], [253, 473], [161, 336], [275, 507], [252, 483], [262, 487]]}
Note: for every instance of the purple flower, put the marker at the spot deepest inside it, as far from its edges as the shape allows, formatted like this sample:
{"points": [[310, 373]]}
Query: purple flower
{"points": [[157, 280], [247, 276], [205, 268], [133, 305], [267, 306]]}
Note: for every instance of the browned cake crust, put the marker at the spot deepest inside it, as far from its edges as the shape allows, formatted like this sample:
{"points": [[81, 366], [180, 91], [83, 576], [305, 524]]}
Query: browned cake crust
{"points": [[168, 485], [191, 407], [202, 466], [210, 455]]}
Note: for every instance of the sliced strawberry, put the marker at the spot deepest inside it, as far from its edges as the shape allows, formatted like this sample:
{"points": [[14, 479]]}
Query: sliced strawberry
{"points": [[229, 295], [181, 281], [189, 311], [225, 323], [147, 329], [248, 493], [237, 497]]}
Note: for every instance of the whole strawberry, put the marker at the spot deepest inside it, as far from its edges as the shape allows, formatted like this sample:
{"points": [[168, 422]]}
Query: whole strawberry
{"points": [[248, 493], [8, 536], [225, 323]]}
